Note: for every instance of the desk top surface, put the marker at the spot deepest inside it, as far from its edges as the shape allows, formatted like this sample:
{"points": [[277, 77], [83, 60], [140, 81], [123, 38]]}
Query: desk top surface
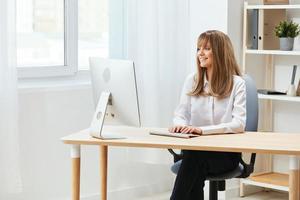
{"points": [[252, 142]]}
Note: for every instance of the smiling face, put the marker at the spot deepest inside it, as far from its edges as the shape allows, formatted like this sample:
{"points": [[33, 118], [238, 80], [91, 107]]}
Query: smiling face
{"points": [[205, 55], [215, 60]]}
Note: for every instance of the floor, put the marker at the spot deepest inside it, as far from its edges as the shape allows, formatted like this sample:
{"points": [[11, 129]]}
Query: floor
{"points": [[258, 196], [266, 196]]}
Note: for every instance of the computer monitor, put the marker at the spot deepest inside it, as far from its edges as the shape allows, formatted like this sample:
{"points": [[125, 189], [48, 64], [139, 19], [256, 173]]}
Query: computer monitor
{"points": [[115, 95]]}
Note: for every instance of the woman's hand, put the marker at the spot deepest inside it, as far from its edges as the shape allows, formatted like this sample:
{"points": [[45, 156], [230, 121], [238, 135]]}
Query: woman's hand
{"points": [[191, 129], [185, 129], [176, 129]]}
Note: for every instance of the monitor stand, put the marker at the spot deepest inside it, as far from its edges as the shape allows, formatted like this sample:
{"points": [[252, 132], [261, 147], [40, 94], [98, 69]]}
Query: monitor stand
{"points": [[99, 117]]}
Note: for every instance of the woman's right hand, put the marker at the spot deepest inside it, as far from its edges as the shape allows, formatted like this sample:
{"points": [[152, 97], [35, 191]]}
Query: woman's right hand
{"points": [[186, 130], [176, 129]]}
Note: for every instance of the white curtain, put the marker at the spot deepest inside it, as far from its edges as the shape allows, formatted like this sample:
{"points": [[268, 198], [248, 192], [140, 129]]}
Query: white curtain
{"points": [[10, 181], [158, 43]]}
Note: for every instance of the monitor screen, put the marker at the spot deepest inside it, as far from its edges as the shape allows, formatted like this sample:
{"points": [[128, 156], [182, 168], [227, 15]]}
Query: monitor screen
{"points": [[116, 77]]}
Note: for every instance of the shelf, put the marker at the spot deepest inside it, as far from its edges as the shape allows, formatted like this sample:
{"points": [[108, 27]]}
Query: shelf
{"points": [[279, 97], [297, 6], [273, 52], [271, 180]]}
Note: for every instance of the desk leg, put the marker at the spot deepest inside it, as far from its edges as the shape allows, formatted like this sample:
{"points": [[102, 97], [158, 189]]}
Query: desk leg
{"points": [[294, 178], [75, 155], [103, 171]]}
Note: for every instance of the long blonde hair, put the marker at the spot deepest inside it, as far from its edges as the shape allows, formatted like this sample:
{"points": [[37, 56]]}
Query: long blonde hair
{"points": [[224, 66]]}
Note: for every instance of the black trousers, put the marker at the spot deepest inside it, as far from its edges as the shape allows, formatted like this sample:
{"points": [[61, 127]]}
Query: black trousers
{"points": [[195, 167]]}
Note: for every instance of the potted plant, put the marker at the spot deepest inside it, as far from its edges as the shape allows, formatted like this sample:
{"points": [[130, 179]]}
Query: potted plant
{"points": [[287, 31]]}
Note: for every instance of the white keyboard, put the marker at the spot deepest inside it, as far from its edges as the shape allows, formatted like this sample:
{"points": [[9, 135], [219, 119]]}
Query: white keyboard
{"points": [[167, 133]]}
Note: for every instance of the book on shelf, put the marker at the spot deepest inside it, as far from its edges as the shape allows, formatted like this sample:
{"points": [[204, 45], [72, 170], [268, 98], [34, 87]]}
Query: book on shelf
{"points": [[254, 29], [267, 20]]}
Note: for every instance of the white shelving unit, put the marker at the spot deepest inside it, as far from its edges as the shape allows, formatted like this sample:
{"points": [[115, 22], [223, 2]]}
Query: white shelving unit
{"points": [[250, 7], [267, 178], [273, 52], [277, 181], [279, 97]]}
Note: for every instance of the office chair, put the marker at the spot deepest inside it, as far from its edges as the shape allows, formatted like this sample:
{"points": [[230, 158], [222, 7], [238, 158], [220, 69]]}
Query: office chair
{"points": [[217, 182]]}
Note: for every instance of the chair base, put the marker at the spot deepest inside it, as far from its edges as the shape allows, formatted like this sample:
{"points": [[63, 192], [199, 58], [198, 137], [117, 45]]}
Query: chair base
{"points": [[213, 190], [214, 187]]}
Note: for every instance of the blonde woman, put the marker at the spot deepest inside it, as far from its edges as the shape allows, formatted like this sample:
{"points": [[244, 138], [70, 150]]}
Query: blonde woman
{"points": [[212, 101]]}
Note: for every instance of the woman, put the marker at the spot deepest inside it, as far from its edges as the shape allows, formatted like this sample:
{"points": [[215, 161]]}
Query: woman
{"points": [[213, 101]]}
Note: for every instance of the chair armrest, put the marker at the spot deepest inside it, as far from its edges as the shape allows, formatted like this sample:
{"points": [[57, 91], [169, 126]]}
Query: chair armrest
{"points": [[176, 156], [248, 168]]}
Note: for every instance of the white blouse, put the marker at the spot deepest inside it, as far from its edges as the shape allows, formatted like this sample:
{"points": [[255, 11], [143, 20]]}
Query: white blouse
{"points": [[211, 115]]}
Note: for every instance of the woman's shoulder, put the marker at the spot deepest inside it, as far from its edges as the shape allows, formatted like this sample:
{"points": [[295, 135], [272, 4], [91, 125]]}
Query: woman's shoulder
{"points": [[238, 80], [190, 77], [238, 83], [189, 81]]}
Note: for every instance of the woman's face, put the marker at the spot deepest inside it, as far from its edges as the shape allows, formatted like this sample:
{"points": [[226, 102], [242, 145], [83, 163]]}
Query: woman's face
{"points": [[205, 55]]}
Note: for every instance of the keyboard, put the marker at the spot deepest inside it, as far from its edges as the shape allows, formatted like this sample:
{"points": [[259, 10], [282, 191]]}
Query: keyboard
{"points": [[168, 134]]}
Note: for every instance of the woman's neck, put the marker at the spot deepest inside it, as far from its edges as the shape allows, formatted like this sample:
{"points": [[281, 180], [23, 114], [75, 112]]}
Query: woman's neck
{"points": [[208, 74]]}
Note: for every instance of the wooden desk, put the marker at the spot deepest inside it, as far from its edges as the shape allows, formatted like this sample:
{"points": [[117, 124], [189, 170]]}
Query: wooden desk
{"points": [[251, 142]]}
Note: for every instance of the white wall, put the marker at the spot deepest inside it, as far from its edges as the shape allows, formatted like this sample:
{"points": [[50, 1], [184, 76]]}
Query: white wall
{"points": [[205, 15], [234, 26], [46, 115], [226, 16]]}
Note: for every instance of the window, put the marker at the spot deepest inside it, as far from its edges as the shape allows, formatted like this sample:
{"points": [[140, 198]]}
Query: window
{"points": [[56, 37], [40, 33], [93, 31]]}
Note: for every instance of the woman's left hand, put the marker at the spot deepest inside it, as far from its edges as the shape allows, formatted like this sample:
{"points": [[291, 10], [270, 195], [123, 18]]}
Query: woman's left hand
{"points": [[191, 129]]}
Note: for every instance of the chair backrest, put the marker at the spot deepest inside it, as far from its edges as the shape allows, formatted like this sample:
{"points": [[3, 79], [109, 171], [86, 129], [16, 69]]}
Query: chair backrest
{"points": [[251, 104], [251, 120]]}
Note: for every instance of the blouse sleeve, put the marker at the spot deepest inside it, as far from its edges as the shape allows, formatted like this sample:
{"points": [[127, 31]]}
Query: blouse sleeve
{"points": [[182, 114], [238, 123]]}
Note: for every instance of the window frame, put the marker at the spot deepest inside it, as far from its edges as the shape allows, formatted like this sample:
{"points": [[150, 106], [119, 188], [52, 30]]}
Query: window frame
{"points": [[117, 42], [70, 66]]}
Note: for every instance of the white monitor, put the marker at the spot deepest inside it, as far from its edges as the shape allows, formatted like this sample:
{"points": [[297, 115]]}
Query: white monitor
{"points": [[115, 95]]}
